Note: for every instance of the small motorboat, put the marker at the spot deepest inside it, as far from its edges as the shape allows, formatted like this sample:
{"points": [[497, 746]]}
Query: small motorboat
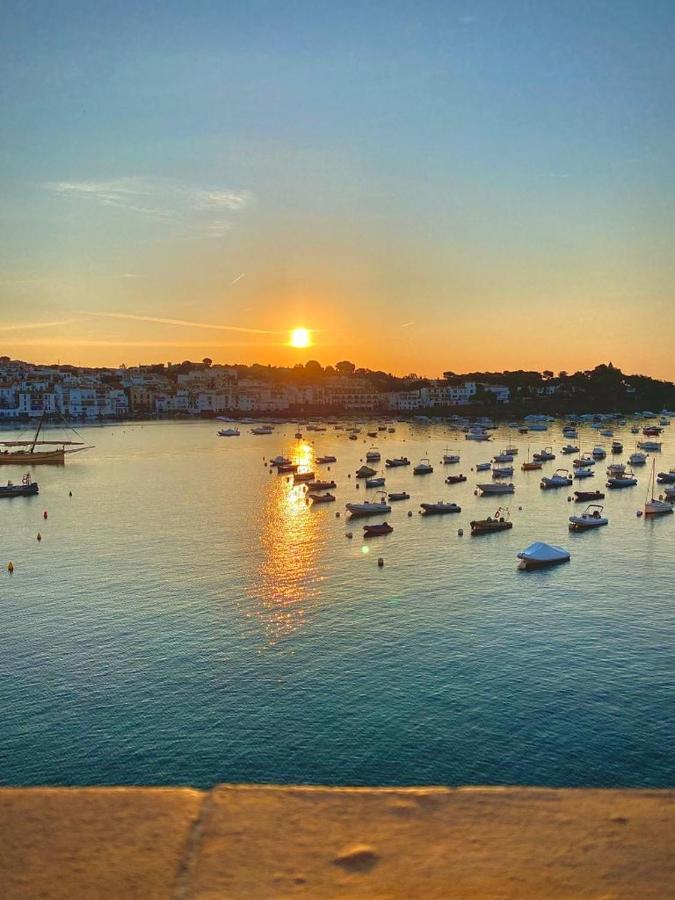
{"points": [[398, 495], [423, 467], [583, 462], [502, 472], [568, 449], [666, 478], [539, 555], [483, 467], [320, 498], [303, 477], [499, 522], [651, 446], [322, 460], [617, 447], [397, 462], [606, 432], [455, 479], [376, 482], [626, 479], [373, 455], [635, 430], [560, 478], [588, 496], [544, 455], [322, 486], [353, 437], [538, 426], [365, 472], [513, 451], [280, 461], [369, 507], [591, 517], [372, 434], [598, 452], [503, 457], [637, 458], [229, 432], [477, 436], [615, 469], [27, 488], [439, 508], [584, 473], [391, 430], [669, 494], [652, 431], [496, 487], [375, 530], [262, 429], [287, 468], [450, 458]]}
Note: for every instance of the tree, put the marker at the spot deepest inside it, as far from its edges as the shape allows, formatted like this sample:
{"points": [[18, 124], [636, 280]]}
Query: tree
{"points": [[314, 368], [207, 362], [345, 367]]}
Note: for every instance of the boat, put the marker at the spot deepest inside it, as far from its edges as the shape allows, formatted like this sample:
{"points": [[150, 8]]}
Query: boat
{"points": [[588, 496], [323, 460], [372, 434], [262, 429], [626, 479], [397, 462], [652, 431], [391, 430], [666, 478], [288, 468], [569, 449], [669, 494], [373, 455], [375, 530], [617, 447], [591, 517], [584, 473], [483, 467], [477, 436], [439, 508], [423, 467], [539, 555], [635, 430], [606, 432], [455, 479], [229, 432], [398, 495], [651, 446], [303, 477], [496, 487], [353, 437], [499, 522], [503, 457], [615, 469], [654, 506], [376, 482], [502, 472], [583, 462], [27, 488], [531, 465], [322, 486], [637, 458], [320, 498], [26, 454], [449, 458], [365, 472], [537, 426], [280, 461], [598, 453], [560, 478], [369, 507], [544, 455], [512, 450]]}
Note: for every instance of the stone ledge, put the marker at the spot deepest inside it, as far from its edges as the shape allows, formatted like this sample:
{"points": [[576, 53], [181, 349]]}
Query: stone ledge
{"points": [[250, 841]]}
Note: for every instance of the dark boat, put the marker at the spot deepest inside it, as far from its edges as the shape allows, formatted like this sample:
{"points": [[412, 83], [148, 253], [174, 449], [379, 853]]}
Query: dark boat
{"points": [[285, 468], [374, 530], [666, 478], [455, 479], [320, 498], [326, 459], [399, 495], [322, 486], [499, 522], [396, 463], [301, 477], [588, 496], [27, 488]]}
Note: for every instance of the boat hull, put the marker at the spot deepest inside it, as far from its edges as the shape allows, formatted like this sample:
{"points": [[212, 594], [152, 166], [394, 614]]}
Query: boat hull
{"points": [[38, 458]]}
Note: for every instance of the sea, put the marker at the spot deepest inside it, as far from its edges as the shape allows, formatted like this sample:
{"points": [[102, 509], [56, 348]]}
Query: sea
{"points": [[188, 618]]}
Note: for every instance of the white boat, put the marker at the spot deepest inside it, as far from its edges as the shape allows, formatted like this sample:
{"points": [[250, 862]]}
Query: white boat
{"points": [[477, 436], [423, 467], [373, 455], [539, 555], [584, 472], [637, 458], [503, 457], [369, 507], [544, 455], [560, 478], [496, 487], [654, 506], [439, 508], [229, 432], [483, 467], [450, 458], [626, 479], [591, 517], [262, 429]]}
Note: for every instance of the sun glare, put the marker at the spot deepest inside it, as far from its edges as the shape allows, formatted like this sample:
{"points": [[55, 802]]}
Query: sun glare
{"points": [[300, 337]]}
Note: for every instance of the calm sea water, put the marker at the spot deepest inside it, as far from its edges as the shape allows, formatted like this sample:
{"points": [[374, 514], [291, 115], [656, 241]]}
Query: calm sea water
{"points": [[188, 619]]}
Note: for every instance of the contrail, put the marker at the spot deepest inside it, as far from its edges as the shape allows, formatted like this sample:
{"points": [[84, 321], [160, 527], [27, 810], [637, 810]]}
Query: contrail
{"points": [[407, 324], [26, 325], [238, 278], [181, 322]]}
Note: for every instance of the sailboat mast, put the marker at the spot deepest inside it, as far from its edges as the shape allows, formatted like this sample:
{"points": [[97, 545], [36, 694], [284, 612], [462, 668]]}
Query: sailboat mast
{"points": [[37, 433]]}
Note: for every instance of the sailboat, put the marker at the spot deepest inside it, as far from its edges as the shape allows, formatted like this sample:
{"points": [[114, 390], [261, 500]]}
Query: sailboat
{"points": [[532, 464], [28, 455], [654, 507]]}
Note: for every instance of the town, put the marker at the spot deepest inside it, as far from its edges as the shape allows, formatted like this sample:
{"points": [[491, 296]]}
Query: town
{"points": [[205, 389]]}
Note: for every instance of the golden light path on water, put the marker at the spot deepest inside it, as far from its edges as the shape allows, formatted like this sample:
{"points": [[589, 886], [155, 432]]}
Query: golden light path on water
{"points": [[290, 541]]}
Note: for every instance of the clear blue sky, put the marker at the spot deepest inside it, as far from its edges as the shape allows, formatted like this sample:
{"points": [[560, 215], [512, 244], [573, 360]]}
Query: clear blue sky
{"points": [[501, 175]]}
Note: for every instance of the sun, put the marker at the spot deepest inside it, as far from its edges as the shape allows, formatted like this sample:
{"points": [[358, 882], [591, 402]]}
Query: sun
{"points": [[300, 337]]}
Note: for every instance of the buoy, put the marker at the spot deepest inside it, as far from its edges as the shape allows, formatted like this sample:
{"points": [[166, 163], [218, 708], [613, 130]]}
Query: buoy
{"points": [[10, 567], [461, 532], [70, 493], [337, 515], [520, 509], [475, 493], [380, 561], [357, 485], [349, 535], [409, 513], [44, 514], [639, 513], [569, 499], [39, 536], [349, 475]]}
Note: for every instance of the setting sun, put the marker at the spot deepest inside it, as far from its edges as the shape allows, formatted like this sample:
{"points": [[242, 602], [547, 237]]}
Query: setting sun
{"points": [[300, 337]]}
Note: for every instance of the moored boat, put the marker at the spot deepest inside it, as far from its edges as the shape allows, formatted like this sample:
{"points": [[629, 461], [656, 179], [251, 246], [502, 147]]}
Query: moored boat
{"points": [[320, 498], [398, 495], [375, 530], [656, 506], [455, 479], [365, 472], [303, 477], [591, 517], [423, 467], [496, 487], [397, 462], [323, 460], [27, 488], [229, 432], [376, 482], [322, 486], [540, 555], [499, 522], [560, 478], [587, 496], [544, 455], [439, 508], [369, 507]]}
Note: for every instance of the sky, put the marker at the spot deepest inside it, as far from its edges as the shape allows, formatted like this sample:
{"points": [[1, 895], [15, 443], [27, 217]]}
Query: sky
{"points": [[424, 185]]}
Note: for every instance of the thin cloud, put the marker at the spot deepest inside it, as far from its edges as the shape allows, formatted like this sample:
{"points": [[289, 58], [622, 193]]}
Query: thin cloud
{"points": [[180, 322], [407, 324], [238, 278], [25, 326], [85, 342]]}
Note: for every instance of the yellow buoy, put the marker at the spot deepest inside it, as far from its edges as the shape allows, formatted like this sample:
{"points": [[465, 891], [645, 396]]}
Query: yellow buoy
{"points": [[10, 567]]}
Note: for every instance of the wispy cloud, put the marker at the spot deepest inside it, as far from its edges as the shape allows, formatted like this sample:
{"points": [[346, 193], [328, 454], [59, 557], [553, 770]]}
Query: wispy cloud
{"points": [[28, 326], [195, 208], [407, 324], [86, 342], [183, 323], [238, 278]]}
